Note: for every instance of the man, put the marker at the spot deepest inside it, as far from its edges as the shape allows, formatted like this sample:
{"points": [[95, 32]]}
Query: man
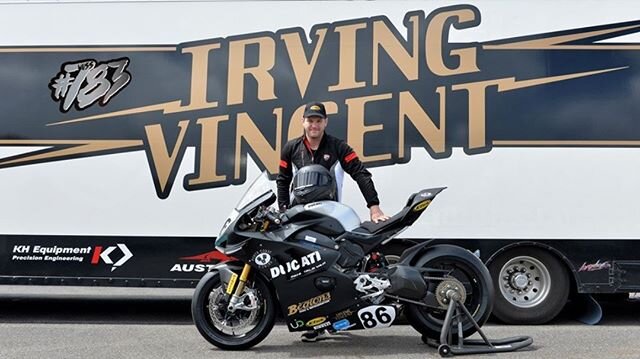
{"points": [[318, 147]]}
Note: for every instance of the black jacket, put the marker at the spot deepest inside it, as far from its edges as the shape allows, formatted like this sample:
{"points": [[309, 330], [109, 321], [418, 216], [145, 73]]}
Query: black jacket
{"points": [[332, 153]]}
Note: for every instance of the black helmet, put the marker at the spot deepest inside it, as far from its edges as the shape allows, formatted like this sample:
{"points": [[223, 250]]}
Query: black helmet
{"points": [[313, 183]]}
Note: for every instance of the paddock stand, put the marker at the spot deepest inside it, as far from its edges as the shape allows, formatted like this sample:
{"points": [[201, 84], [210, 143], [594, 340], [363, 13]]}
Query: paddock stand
{"points": [[471, 346]]}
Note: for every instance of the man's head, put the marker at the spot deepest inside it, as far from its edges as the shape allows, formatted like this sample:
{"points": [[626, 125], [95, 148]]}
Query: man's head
{"points": [[314, 120]]}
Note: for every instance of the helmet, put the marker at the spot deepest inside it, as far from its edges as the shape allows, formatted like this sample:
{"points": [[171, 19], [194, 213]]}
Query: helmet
{"points": [[313, 183]]}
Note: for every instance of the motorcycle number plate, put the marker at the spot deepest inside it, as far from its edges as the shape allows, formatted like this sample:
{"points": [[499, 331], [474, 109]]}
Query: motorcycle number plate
{"points": [[377, 316]]}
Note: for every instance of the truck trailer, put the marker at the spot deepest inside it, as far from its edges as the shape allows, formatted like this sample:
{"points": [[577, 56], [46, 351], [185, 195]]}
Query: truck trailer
{"points": [[128, 129]]}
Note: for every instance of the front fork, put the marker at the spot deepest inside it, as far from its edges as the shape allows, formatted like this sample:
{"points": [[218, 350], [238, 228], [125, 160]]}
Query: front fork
{"points": [[233, 303]]}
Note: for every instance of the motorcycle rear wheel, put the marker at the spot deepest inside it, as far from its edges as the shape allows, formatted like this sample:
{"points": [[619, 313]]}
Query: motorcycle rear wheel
{"points": [[206, 311], [466, 268]]}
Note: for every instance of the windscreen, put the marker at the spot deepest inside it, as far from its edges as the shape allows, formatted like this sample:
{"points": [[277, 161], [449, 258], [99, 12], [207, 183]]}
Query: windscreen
{"points": [[259, 187]]}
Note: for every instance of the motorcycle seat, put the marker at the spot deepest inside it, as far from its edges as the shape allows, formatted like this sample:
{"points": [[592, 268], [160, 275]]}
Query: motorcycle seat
{"points": [[416, 203], [369, 227]]}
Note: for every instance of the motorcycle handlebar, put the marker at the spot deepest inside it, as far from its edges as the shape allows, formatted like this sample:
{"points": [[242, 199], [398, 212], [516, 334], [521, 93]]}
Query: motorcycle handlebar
{"points": [[272, 217], [266, 213]]}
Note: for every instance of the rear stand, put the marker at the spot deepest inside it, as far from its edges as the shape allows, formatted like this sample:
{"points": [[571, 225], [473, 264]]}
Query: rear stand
{"points": [[471, 346]]}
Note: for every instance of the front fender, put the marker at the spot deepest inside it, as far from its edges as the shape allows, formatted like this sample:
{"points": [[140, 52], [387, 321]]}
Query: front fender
{"points": [[225, 270]]}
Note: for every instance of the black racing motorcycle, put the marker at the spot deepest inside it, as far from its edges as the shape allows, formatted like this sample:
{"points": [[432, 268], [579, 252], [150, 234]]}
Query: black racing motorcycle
{"points": [[320, 267]]}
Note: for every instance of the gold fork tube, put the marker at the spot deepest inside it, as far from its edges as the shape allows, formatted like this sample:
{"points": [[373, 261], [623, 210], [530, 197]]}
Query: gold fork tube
{"points": [[243, 279], [240, 288]]}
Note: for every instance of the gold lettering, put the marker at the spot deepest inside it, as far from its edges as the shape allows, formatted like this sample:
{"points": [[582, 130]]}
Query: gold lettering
{"points": [[434, 45], [477, 100], [247, 130], [237, 69], [384, 37], [295, 125], [347, 58], [164, 164], [411, 110], [302, 69], [199, 75], [206, 170], [357, 129]]}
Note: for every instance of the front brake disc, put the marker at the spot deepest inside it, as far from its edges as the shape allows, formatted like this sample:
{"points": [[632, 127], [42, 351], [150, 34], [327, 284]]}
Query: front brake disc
{"points": [[237, 323]]}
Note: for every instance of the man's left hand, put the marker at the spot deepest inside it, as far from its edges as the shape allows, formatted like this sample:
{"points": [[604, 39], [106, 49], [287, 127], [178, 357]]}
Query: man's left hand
{"points": [[377, 215]]}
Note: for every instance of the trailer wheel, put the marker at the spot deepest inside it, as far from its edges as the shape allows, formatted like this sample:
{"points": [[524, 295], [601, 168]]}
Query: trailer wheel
{"points": [[531, 285]]}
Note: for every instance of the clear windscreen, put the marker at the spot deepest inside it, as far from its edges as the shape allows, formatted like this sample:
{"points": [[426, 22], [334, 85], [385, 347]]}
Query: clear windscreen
{"points": [[257, 189]]}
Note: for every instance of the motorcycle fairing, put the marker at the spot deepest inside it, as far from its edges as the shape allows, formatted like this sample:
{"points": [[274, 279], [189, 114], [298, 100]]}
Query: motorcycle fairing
{"points": [[293, 271]]}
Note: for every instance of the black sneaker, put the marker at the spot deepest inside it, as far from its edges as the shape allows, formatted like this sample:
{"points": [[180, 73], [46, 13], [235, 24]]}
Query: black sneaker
{"points": [[313, 336]]}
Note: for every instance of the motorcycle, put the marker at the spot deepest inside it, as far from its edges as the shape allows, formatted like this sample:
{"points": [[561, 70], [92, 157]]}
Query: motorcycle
{"points": [[321, 268]]}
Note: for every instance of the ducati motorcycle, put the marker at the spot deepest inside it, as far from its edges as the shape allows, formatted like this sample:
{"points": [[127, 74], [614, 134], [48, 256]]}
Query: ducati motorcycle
{"points": [[320, 268]]}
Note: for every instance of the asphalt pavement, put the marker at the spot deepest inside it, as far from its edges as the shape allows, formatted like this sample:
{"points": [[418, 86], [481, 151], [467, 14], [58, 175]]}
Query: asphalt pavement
{"points": [[80, 322]]}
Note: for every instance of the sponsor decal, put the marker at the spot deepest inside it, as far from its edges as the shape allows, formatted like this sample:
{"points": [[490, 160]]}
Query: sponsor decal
{"points": [[423, 90], [377, 316], [105, 255], [232, 283], [421, 206], [262, 258], [343, 314], [209, 257], [49, 253], [594, 266], [206, 261], [316, 321], [309, 304], [191, 268], [342, 325], [82, 83], [296, 267], [320, 326], [116, 255], [312, 205], [310, 239], [296, 324]]}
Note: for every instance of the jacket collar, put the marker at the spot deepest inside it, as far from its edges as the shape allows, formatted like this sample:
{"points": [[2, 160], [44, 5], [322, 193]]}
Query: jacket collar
{"points": [[307, 145]]}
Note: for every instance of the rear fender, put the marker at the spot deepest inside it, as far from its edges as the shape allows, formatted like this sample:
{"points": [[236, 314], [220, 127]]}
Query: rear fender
{"points": [[421, 253], [448, 249], [411, 254]]}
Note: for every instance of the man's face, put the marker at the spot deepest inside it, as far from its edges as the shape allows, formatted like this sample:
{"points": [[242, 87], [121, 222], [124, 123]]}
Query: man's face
{"points": [[314, 126]]}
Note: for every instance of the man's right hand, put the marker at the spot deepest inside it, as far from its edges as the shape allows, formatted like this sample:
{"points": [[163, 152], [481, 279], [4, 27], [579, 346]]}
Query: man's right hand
{"points": [[377, 215]]}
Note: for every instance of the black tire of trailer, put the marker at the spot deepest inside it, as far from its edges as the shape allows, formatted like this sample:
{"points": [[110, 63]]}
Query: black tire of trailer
{"points": [[552, 273]]}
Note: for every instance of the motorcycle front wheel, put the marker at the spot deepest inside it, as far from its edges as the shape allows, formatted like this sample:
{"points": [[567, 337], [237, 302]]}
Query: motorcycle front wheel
{"points": [[463, 268], [241, 329]]}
